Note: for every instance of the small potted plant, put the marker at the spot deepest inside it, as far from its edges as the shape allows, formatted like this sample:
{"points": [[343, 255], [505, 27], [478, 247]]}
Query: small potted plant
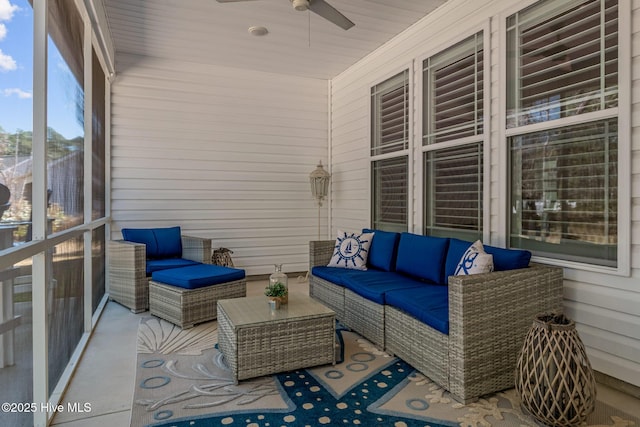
{"points": [[277, 292]]}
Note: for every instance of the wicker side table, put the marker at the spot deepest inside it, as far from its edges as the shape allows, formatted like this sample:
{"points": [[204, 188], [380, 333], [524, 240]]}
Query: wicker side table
{"points": [[554, 378]]}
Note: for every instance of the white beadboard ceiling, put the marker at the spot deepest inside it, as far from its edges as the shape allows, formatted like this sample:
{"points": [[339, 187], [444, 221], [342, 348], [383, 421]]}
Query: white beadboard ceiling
{"points": [[298, 43]]}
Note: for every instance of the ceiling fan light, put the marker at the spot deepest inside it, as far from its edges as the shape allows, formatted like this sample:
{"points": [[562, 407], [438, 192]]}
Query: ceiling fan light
{"points": [[300, 5]]}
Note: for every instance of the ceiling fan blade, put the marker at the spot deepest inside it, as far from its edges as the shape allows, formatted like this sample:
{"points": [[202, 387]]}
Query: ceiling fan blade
{"points": [[329, 13]]}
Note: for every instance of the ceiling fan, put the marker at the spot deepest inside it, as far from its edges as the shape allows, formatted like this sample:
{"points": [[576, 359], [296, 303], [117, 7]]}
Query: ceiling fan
{"points": [[319, 7]]}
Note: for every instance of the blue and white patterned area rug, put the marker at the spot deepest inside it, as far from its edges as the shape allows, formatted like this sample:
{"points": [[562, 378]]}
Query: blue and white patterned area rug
{"points": [[182, 380]]}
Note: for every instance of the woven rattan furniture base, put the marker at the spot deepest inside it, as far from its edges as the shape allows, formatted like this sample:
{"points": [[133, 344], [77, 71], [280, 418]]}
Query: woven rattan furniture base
{"points": [[329, 294], [365, 317], [417, 344], [129, 284], [188, 307], [256, 341]]}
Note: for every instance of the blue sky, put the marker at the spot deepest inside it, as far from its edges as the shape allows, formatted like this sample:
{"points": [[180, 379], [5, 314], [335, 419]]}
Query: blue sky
{"points": [[16, 75]]}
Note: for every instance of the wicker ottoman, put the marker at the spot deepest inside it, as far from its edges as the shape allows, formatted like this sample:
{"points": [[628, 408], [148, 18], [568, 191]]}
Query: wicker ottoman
{"points": [[189, 295]]}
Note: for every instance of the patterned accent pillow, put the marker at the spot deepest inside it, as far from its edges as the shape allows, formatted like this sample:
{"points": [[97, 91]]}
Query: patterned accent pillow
{"points": [[475, 261], [351, 250]]}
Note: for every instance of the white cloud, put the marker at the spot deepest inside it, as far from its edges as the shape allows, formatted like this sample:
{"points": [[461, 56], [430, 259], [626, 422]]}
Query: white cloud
{"points": [[6, 10], [7, 63], [19, 92]]}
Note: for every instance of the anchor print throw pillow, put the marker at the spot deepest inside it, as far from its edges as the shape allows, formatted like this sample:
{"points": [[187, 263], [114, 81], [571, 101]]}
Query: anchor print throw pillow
{"points": [[475, 260], [351, 250]]}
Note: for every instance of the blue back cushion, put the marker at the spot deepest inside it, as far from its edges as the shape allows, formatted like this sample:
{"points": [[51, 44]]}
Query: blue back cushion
{"points": [[160, 242], [169, 242], [457, 248], [422, 257], [384, 246], [142, 235], [508, 259], [503, 259]]}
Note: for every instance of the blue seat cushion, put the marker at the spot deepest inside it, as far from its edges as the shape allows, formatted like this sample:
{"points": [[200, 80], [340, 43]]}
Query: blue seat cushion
{"points": [[375, 284], [335, 275], [382, 253], [160, 242], [164, 264], [427, 303], [198, 276], [508, 259], [422, 257]]}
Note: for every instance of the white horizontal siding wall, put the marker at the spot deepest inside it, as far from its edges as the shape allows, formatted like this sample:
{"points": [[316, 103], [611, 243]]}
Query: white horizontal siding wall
{"points": [[224, 153], [605, 306]]}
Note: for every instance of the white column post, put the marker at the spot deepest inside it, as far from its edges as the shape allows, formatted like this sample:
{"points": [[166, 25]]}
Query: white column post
{"points": [[88, 174], [39, 208]]}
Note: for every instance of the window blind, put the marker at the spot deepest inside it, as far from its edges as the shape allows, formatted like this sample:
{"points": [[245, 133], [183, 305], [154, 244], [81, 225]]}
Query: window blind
{"points": [[453, 193], [389, 198], [564, 189], [390, 115], [453, 92], [563, 60]]}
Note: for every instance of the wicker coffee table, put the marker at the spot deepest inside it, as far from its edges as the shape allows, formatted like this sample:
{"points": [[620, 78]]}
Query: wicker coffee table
{"points": [[257, 342]]}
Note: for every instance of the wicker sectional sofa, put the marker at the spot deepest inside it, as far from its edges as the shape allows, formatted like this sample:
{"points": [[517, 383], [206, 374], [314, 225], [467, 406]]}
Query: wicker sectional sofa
{"points": [[463, 332]]}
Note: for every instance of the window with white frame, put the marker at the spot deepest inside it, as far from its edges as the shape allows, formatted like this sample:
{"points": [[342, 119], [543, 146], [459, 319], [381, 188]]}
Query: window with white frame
{"points": [[389, 157], [562, 129], [453, 113]]}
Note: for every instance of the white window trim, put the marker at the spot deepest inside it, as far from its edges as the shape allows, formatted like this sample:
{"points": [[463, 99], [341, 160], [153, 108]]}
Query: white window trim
{"points": [[623, 112], [610, 113], [500, 238], [406, 152], [485, 138]]}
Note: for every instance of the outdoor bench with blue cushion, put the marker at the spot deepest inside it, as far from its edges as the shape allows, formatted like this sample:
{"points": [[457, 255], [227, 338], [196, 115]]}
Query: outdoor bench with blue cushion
{"points": [[462, 331]]}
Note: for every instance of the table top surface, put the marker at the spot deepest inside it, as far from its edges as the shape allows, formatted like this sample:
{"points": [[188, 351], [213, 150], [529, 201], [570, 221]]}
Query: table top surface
{"points": [[255, 310]]}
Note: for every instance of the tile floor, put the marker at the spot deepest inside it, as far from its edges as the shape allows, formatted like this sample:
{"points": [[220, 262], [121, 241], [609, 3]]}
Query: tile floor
{"points": [[104, 376]]}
